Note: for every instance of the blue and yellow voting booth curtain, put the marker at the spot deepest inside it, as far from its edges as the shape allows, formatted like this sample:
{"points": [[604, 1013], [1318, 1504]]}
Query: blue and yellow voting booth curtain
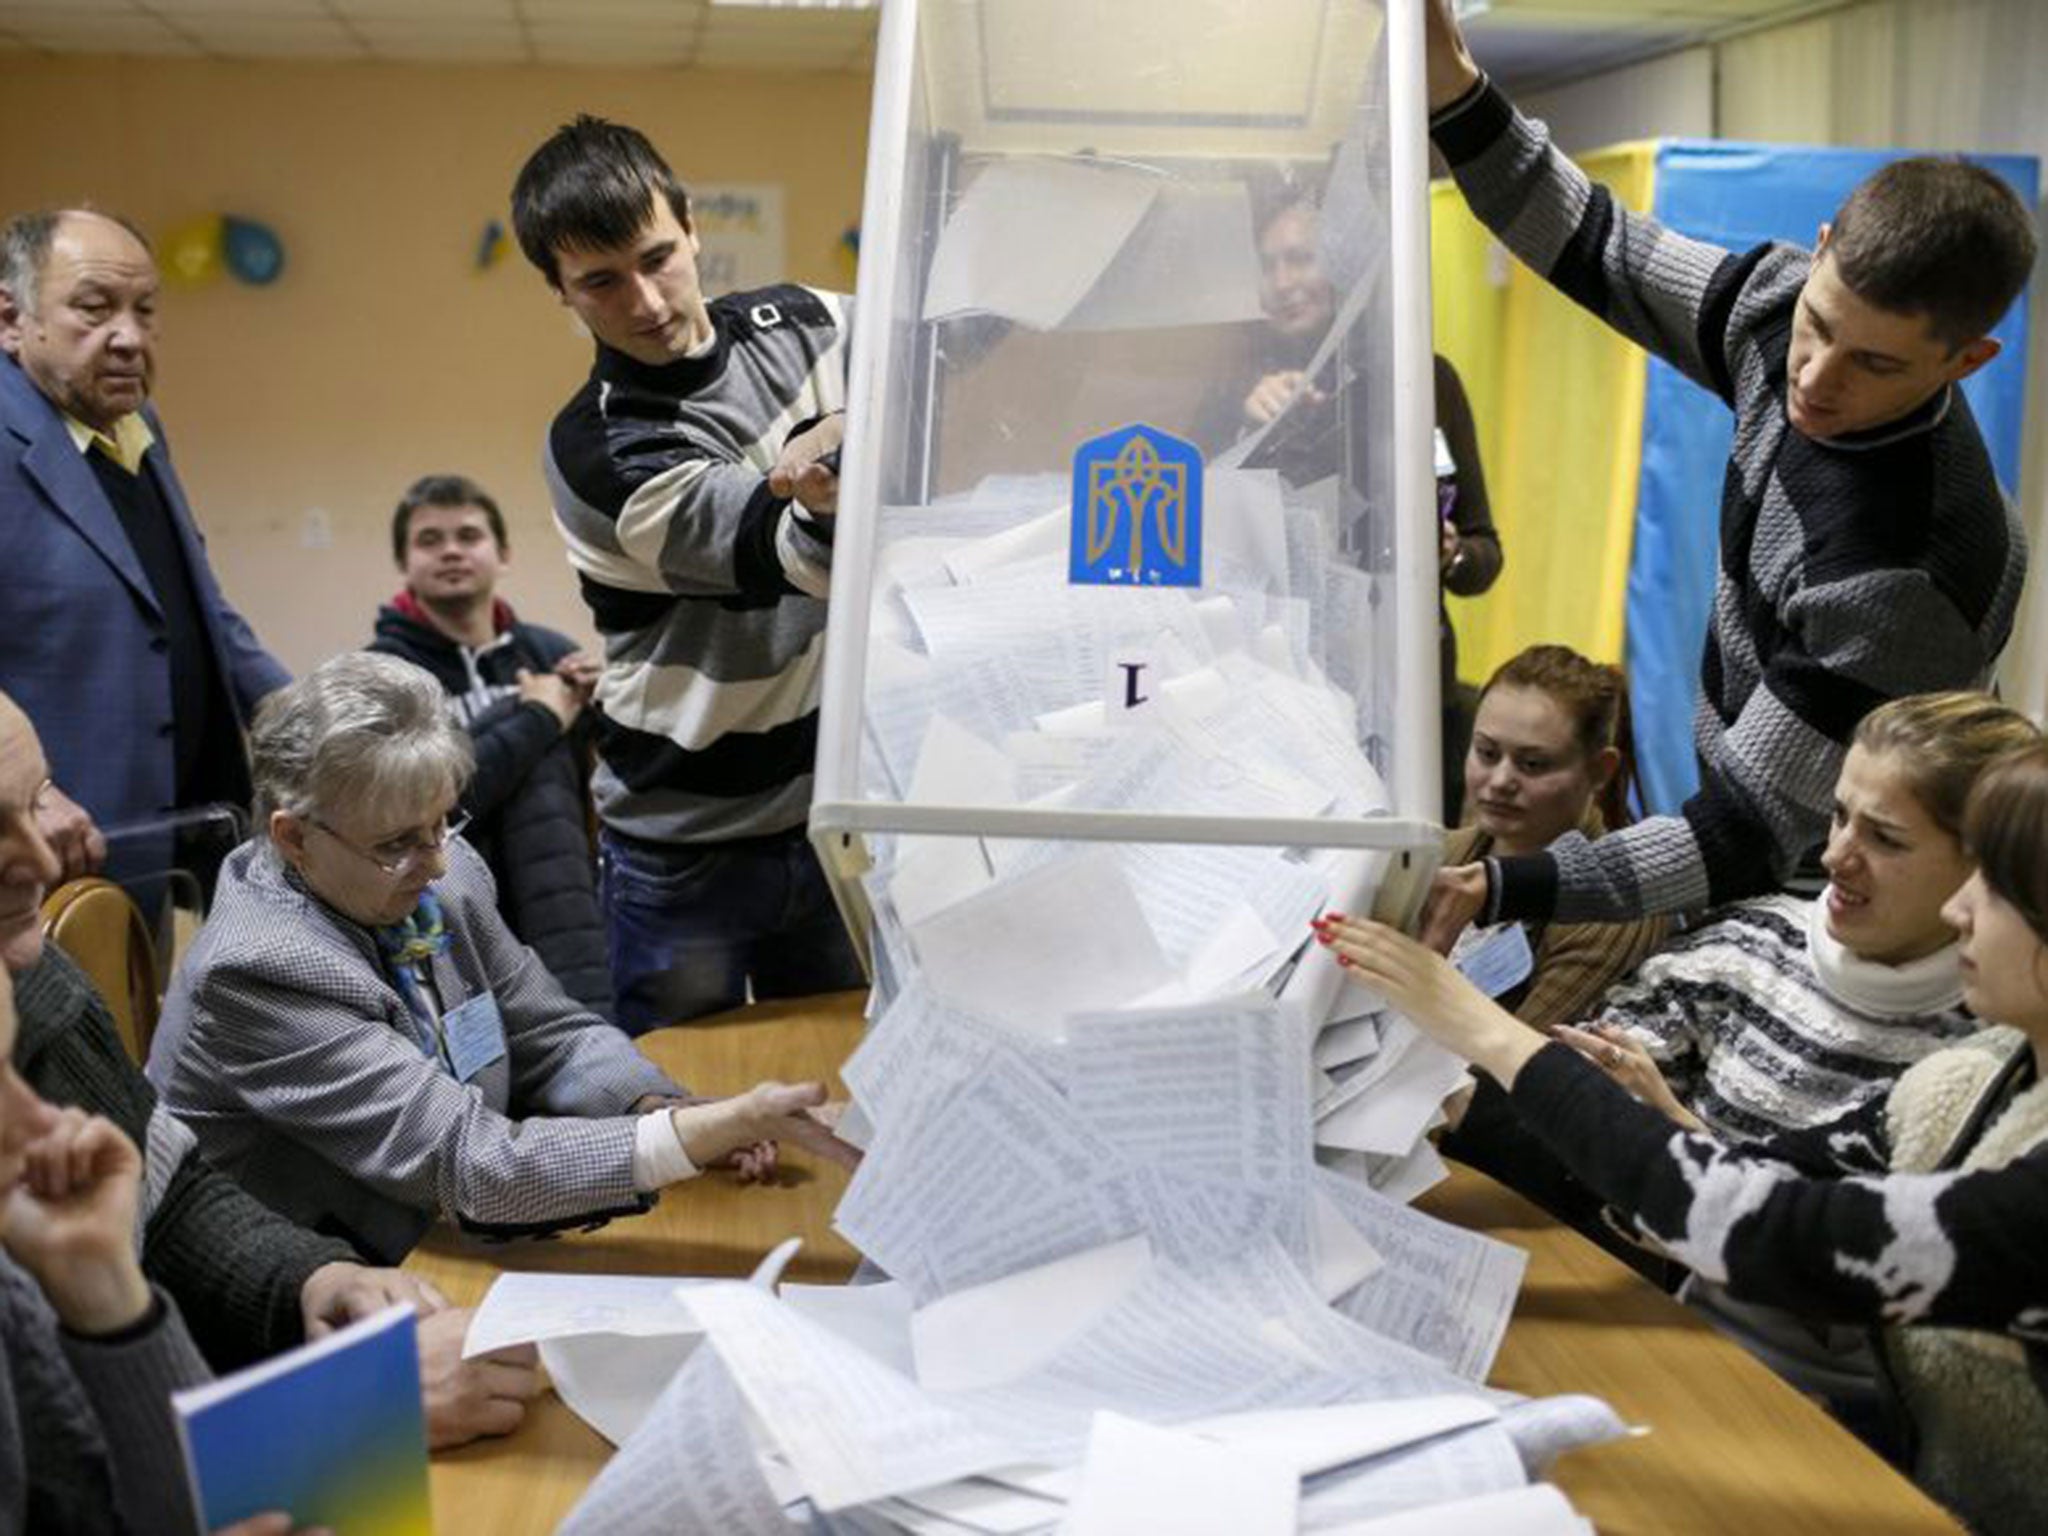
{"points": [[1604, 466]]}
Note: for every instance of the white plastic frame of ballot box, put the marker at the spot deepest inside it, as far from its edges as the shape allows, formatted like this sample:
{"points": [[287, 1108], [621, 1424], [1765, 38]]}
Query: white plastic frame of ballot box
{"points": [[1412, 836]]}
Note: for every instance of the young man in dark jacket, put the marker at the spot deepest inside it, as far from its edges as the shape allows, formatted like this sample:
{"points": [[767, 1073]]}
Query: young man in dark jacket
{"points": [[519, 691]]}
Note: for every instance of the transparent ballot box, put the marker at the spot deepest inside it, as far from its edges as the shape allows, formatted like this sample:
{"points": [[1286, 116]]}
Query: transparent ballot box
{"points": [[1134, 607]]}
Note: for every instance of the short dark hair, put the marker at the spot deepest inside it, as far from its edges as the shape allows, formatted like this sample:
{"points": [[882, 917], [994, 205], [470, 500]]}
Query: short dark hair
{"points": [[25, 242], [443, 491], [1938, 237], [590, 187]]}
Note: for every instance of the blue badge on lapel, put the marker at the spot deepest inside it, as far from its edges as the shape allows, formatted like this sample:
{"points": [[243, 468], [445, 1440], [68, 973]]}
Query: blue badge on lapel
{"points": [[1137, 511], [475, 1036]]}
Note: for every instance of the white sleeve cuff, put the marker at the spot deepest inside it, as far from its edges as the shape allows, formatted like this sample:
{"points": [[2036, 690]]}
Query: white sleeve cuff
{"points": [[658, 1156]]}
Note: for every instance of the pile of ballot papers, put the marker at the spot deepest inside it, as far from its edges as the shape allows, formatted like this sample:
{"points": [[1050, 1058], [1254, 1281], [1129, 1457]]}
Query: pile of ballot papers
{"points": [[1123, 1299], [1137, 1161]]}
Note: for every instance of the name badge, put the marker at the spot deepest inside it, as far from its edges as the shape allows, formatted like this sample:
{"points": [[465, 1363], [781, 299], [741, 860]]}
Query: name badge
{"points": [[1495, 959], [475, 1035]]}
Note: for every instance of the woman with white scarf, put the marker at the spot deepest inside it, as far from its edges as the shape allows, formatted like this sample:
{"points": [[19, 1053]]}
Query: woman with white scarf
{"points": [[1778, 1014]]}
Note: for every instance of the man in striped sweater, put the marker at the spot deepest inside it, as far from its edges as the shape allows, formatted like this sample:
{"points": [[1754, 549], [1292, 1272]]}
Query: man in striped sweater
{"points": [[694, 478], [1866, 549]]}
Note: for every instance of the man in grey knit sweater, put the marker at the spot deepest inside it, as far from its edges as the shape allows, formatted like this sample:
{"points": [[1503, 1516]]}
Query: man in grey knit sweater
{"points": [[1867, 551]]}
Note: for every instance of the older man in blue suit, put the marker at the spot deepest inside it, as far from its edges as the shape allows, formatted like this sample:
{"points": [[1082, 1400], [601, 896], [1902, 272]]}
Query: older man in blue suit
{"points": [[114, 636]]}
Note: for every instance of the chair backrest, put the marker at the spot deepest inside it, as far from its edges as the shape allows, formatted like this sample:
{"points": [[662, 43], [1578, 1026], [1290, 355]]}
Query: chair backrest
{"points": [[93, 921]]}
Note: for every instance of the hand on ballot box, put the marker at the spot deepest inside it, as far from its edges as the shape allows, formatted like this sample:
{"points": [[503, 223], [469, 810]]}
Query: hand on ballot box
{"points": [[743, 1132], [807, 470], [1456, 896]]}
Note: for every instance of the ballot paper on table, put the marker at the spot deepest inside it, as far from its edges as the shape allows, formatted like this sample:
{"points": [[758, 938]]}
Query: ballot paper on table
{"points": [[612, 1381], [972, 1504], [1458, 1465], [1318, 1440], [993, 1333], [1537, 1510], [525, 1308], [875, 1318], [1545, 1428], [852, 1429], [1441, 1290], [688, 1470], [1138, 1476], [1233, 1334]]}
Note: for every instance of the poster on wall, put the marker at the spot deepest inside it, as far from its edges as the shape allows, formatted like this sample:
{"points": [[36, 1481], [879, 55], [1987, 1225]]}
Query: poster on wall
{"points": [[739, 225]]}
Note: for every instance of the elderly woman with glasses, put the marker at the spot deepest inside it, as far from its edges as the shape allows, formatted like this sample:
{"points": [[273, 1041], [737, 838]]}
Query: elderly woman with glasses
{"points": [[358, 1038]]}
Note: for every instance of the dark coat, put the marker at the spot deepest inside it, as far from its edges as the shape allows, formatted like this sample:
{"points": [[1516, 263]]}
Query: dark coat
{"points": [[82, 635]]}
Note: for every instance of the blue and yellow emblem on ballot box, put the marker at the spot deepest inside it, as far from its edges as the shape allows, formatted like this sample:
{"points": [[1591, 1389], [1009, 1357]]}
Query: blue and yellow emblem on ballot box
{"points": [[1137, 511]]}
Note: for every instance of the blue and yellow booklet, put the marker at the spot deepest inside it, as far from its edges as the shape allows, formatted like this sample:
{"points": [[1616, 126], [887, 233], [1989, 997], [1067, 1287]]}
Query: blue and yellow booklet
{"points": [[331, 1433]]}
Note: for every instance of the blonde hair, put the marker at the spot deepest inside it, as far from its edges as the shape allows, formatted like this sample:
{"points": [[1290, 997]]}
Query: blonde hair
{"points": [[1941, 742]]}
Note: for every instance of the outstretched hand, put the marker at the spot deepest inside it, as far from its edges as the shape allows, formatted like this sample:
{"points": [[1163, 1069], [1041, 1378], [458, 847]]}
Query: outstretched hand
{"points": [[1428, 991], [1622, 1057], [745, 1129]]}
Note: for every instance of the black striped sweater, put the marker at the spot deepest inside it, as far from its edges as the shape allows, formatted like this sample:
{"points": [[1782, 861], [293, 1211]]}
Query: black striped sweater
{"points": [[1852, 570], [708, 591]]}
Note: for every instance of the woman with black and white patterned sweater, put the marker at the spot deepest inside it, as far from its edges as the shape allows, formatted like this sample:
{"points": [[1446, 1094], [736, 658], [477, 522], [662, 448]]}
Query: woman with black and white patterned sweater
{"points": [[1780, 1013], [1924, 1213]]}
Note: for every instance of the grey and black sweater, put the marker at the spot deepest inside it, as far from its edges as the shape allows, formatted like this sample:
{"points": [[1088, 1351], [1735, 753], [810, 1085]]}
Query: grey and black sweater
{"points": [[88, 1441], [708, 590], [1853, 570]]}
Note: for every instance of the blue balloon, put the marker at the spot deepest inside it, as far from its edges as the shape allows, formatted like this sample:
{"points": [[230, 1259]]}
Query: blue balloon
{"points": [[254, 253]]}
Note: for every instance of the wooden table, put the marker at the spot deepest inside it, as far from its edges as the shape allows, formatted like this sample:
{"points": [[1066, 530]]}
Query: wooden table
{"points": [[1732, 1447]]}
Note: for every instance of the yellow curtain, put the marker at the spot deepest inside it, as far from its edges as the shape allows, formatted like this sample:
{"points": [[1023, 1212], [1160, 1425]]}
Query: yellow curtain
{"points": [[1558, 401]]}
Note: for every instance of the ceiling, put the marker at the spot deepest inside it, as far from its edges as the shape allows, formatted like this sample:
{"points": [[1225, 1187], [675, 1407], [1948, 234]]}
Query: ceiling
{"points": [[1525, 42], [1521, 41], [612, 33]]}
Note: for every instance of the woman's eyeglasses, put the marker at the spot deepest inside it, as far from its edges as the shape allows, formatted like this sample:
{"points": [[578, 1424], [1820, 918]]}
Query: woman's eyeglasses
{"points": [[400, 856]]}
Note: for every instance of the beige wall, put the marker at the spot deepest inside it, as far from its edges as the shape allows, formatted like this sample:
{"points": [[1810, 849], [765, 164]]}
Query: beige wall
{"points": [[382, 354]]}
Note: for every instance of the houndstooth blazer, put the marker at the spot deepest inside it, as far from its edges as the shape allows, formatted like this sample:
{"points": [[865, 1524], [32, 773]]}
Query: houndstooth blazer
{"points": [[287, 1048]]}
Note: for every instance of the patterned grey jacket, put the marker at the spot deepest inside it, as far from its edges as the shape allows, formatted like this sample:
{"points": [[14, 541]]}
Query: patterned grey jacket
{"points": [[287, 1048]]}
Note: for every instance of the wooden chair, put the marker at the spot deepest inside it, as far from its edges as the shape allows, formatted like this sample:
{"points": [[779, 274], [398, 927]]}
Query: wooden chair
{"points": [[93, 921]]}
